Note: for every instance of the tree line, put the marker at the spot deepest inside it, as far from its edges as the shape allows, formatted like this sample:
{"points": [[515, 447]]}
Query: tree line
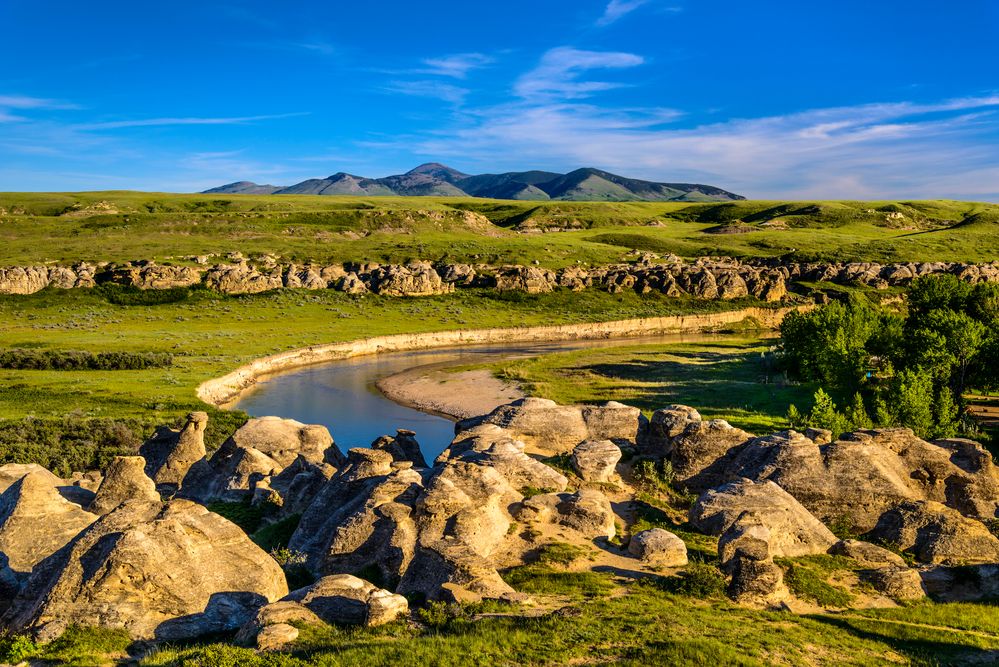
{"points": [[907, 366], [77, 360]]}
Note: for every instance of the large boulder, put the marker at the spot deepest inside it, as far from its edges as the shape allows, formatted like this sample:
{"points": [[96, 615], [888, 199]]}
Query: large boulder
{"points": [[658, 548], [620, 423], [284, 440], [867, 554], [361, 518], [12, 472], [166, 571], [36, 521], [858, 477], [414, 279], [668, 423], [451, 561], [543, 425], [696, 452], [587, 512], [937, 534], [491, 446], [596, 460], [402, 447], [171, 454], [793, 530], [124, 480], [231, 475], [343, 599]]}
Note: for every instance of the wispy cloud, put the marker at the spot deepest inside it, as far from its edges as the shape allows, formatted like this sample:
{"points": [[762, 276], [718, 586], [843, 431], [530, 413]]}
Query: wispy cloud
{"points": [[156, 122], [560, 73], [456, 66], [434, 89], [319, 46], [867, 151], [618, 9]]}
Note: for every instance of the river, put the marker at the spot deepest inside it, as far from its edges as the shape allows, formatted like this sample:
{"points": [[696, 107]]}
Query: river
{"points": [[343, 396]]}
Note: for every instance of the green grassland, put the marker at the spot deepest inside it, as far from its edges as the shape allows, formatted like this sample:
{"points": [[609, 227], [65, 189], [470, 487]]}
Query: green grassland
{"points": [[602, 619], [121, 226], [730, 379]]}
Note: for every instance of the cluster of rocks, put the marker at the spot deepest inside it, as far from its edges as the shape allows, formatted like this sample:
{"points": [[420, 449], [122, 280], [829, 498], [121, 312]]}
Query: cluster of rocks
{"points": [[136, 546], [704, 278]]}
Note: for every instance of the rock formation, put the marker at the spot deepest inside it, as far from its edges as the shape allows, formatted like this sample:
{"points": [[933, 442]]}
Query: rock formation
{"points": [[167, 571], [124, 480]]}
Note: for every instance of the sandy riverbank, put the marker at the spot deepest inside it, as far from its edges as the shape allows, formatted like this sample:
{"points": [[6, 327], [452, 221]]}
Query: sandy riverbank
{"points": [[452, 394]]}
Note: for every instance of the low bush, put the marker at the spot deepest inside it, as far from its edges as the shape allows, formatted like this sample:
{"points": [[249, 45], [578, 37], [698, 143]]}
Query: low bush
{"points": [[77, 360], [697, 580]]}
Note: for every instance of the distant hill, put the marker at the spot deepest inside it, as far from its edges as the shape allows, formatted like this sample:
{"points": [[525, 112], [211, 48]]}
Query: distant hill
{"points": [[438, 180]]}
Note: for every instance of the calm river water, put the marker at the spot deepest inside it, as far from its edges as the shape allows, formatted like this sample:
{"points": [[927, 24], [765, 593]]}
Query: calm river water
{"points": [[342, 395]]}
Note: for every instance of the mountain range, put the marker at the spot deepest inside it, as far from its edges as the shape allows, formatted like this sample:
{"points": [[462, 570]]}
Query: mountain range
{"points": [[438, 180]]}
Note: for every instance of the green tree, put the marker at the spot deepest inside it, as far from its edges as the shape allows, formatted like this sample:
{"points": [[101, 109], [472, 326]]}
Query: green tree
{"points": [[946, 414], [856, 414], [910, 400], [794, 417], [824, 414]]}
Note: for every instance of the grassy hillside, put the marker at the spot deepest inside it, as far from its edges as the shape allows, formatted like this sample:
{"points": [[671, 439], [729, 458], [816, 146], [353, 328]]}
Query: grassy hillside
{"points": [[120, 226]]}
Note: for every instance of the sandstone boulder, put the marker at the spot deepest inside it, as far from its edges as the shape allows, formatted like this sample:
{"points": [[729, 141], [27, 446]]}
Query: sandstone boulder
{"points": [[171, 454], [596, 460], [284, 440], [167, 571], [587, 512], [898, 582], [867, 554], [897, 467], [124, 480], [542, 424], [403, 447], [36, 521], [614, 421], [668, 423], [697, 452], [935, 533], [793, 530], [343, 599], [658, 548], [451, 561]]}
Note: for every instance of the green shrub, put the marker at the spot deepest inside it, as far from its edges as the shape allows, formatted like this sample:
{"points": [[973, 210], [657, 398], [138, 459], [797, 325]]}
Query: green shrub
{"points": [[15, 648], [246, 516], [76, 360], [809, 583], [561, 553], [697, 580]]}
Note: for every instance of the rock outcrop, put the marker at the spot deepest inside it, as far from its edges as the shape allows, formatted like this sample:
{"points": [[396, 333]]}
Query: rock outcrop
{"points": [[793, 530], [935, 533], [596, 460], [166, 571], [658, 548], [897, 467], [124, 480], [171, 454], [343, 599], [284, 440]]}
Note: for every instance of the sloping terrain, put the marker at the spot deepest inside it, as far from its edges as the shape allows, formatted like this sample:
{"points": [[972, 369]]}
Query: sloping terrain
{"points": [[435, 179]]}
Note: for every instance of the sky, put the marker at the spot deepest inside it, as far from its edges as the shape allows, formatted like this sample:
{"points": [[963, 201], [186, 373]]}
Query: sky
{"points": [[772, 99]]}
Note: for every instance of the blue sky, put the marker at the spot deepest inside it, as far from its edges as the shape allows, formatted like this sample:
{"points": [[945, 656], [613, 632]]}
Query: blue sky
{"points": [[778, 99]]}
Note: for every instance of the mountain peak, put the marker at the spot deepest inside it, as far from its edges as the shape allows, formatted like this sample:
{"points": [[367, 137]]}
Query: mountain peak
{"points": [[437, 170]]}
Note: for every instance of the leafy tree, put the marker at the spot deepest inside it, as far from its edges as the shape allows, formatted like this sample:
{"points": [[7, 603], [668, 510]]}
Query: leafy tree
{"points": [[946, 414], [824, 414], [910, 397], [856, 414]]}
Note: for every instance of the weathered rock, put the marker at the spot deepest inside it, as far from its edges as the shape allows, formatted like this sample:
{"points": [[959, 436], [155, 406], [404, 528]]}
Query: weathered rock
{"points": [[530, 279], [659, 548], [937, 534], [352, 284], [668, 423], [300, 483], [794, 531], [275, 637], [36, 521], [745, 538], [403, 447], [284, 440], [622, 424], [230, 475], [867, 554], [275, 615], [170, 572], [451, 561], [696, 452], [171, 454], [587, 511], [23, 279], [491, 446], [242, 279], [124, 480], [757, 582], [898, 582], [966, 583], [343, 599], [414, 279], [898, 467], [596, 460], [540, 423], [153, 276], [12, 472], [361, 518]]}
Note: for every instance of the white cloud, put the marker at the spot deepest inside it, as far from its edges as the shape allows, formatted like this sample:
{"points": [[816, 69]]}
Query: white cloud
{"points": [[559, 74], [435, 89], [456, 66], [617, 9], [156, 122], [903, 150]]}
